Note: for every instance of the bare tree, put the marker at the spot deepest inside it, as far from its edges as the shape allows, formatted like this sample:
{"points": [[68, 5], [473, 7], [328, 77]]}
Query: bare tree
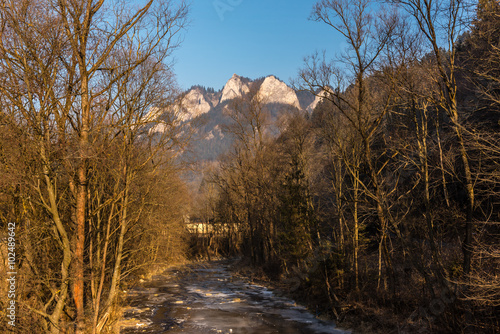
{"points": [[441, 24], [367, 34], [63, 78], [251, 129]]}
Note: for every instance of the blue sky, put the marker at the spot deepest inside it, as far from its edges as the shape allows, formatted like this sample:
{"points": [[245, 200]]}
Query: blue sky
{"points": [[252, 38]]}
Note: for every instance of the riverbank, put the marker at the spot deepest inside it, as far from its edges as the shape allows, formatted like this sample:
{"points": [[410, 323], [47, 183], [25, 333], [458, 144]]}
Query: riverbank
{"points": [[211, 297], [359, 318]]}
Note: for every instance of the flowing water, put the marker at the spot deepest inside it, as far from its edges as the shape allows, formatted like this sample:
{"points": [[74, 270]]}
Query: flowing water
{"points": [[209, 299]]}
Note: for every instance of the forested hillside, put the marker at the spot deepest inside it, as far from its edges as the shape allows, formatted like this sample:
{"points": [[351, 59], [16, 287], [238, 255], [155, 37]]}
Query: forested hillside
{"points": [[383, 204]]}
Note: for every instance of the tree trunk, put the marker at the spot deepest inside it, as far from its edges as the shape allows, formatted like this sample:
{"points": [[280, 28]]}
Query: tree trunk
{"points": [[467, 246], [356, 230], [81, 208], [97, 301], [52, 207], [115, 280]]}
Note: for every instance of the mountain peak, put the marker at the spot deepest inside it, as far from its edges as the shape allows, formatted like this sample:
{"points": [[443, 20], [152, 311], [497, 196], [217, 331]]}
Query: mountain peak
{"points": [[271, 90], [234, 88], [194, 104], [274, 90]]}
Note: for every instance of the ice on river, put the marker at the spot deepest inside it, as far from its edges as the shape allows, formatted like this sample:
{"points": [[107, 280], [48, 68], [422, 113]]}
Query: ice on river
{"points": [[208, 299]]}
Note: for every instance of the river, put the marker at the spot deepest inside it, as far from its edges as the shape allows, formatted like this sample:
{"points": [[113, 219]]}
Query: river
{"points": [[207, 298]]}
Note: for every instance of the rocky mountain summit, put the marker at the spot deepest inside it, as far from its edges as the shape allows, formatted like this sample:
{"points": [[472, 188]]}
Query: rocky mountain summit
{"points": [[194, 104], [205, 110], [234, 88], [273, 90], [200, 100]]}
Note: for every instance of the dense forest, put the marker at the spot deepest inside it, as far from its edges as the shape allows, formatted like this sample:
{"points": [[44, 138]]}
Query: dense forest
{"points": [[88, 170], [382, 205], [380, 208]]}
